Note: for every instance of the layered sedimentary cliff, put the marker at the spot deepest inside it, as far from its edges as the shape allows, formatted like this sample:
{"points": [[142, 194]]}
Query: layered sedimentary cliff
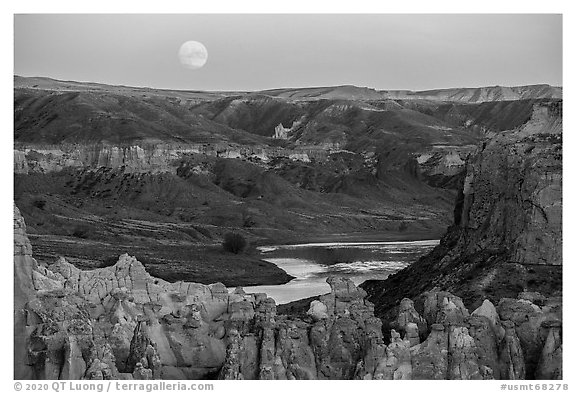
{"points": [[144, 158], [120, 323], [438, 165]]}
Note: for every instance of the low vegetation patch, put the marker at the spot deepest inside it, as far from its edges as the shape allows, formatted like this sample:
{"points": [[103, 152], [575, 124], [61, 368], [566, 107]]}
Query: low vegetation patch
{"points": [[234, 243]]}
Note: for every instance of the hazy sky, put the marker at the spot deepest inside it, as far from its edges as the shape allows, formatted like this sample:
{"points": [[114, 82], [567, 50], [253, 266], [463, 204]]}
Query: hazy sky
{"points": [[252, 52]]}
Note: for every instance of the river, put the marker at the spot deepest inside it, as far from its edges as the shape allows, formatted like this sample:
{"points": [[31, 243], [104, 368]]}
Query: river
{"points": [[312, 263]]}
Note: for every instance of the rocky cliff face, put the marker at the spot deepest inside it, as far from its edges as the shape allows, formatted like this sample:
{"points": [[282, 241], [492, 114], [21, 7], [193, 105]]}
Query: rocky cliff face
{"points": [[120, 323], [507, 234], [443, 166], [512, 195]]}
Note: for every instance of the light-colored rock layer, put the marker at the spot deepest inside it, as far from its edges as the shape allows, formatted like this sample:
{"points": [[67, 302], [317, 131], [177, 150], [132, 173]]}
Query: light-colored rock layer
{"points": [[154, 158]]}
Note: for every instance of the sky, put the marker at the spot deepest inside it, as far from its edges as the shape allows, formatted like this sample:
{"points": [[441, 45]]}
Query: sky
{"points": [[263, 51], [258, 52]]}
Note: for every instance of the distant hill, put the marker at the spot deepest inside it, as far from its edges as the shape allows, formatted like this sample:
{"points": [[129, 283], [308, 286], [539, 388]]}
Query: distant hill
{"points": [[345, 92], [43, 83], [48, 111], [53, 112], [481, 94], [336, 92], [463, 95]]}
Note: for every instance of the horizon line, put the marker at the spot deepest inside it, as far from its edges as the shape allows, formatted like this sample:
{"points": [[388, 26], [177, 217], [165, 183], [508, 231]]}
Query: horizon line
{"points": [[287, 88]]}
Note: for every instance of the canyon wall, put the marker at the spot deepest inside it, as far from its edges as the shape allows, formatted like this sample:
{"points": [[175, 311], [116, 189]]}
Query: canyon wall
{"points": [[438, 165], [506, 239], [512, 194]]}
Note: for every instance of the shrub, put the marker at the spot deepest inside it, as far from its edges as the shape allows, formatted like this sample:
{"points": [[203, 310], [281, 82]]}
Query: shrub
{"points": [[247, 220], [39, 203], [82, 231], [234, 242]]}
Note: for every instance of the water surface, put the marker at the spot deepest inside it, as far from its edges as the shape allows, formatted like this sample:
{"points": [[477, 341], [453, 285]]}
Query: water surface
{"points": [[312, 263]]}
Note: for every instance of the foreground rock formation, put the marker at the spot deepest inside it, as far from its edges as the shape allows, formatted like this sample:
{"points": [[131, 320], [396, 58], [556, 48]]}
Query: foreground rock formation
{"points": [[114, 322], [119, 322]]}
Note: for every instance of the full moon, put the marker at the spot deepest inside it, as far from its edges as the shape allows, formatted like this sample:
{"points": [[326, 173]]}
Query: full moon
{"points": [[193, 55]]}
